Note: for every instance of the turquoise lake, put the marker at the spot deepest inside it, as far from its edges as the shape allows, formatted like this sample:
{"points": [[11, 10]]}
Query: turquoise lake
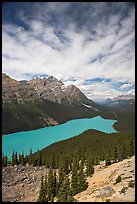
{"points": [[43, 137]]}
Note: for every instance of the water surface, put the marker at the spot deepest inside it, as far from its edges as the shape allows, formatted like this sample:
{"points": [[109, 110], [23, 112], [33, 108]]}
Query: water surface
{"points": [[43, 137]]}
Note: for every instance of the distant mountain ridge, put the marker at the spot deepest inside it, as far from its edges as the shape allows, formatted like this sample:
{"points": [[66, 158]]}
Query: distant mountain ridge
{"points": [[121, 102], [123, 97]]}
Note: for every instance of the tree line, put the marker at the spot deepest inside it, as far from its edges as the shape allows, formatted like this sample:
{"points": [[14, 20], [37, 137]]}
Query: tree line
{"points": [[90, 145]]}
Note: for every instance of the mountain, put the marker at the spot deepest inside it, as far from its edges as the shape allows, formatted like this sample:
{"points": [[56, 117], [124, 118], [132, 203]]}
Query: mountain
{"points": [[124, 97], [42, 102], [42, 88], [54, 90], [121, 102], [121, 98]]}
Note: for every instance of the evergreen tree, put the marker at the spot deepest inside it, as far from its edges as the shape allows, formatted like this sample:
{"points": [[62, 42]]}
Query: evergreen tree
{"points": [[90, 167], [20, 158], [23, 160], [30, 157], [46, 189], [116, 153], [42, 194], [107, 160], [81, 179], [54, 184], [64, 194], [74, 181], [53, 164], [131, 149], [61, 177], [50, 185], [13, 161], [4, 160], [66, 165], [16, 158], [123, 152], [39, 160]]}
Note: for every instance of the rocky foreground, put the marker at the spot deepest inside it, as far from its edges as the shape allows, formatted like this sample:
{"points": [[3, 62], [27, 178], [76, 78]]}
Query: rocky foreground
{"points": [[102, 187], [22, 183]]}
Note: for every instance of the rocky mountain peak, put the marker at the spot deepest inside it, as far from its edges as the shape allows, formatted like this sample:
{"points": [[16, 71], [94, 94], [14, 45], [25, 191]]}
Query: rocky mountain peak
{"points": [[49, 88]]}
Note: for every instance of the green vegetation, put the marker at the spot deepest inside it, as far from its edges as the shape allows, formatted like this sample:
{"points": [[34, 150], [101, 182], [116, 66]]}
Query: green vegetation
{"points": [[118, 180], [43, 191], [124, 189], [107, 200], [4, 160], [31, 115], [61, 185], [91, 147], [131, 184], [72, 160]]}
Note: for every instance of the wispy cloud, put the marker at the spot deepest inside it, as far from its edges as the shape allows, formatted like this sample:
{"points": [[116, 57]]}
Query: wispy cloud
{"points": [[72, 42]]}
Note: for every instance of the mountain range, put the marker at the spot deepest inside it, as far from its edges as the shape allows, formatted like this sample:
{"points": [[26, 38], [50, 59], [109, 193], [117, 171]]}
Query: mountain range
{"points": [[42, 102], [121, 102]]}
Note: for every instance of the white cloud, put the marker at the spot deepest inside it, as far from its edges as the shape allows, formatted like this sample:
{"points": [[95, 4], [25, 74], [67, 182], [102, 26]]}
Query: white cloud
{"points": [[70, 55], [99, 91]]}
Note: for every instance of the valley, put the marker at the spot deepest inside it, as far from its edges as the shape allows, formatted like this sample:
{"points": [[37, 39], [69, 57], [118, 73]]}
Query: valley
{"points": [[68, 102], [35, 105]]}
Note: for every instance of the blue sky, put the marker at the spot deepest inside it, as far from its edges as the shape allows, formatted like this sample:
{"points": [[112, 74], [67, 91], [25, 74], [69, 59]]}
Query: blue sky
{"points": [[89, 44]]}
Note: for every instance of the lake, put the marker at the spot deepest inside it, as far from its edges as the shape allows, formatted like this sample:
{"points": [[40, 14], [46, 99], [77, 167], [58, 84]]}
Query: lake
{"points": [[43, 137]]}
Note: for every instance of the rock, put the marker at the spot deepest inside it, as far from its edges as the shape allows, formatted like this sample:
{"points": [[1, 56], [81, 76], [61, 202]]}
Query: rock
{"points": [[106, 192], [24, 178]]}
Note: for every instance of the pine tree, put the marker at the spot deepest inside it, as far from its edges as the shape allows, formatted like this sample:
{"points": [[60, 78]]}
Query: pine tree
{"points": [[50, 185], [107, 160], [64, 194], [13, 161], [30, 157], [81, 179], [42, 194], [61, 177], [53, 164], [16, 158], [131, 150], [39, 160], [123, 152], [4, 160], [90, 167], [115, 154], [46, 189], [20, 159], [74, 181], [65, 166], [23, 160], [54, 184]]}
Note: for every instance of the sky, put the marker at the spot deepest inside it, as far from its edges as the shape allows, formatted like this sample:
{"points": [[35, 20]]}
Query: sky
{"points": [[88, 44]]}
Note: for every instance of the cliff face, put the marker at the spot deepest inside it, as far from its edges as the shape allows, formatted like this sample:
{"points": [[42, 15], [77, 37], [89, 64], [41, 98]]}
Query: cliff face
{"points": [[13, 90], [54, 90]]}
